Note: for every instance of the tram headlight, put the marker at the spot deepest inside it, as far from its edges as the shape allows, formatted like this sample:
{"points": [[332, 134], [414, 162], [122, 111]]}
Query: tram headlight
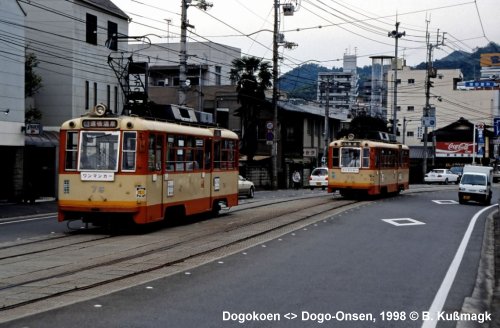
{"points": [[100, 110]]}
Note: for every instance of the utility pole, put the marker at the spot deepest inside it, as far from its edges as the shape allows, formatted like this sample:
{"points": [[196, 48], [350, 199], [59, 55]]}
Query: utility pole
{"points": [[274, 150], [181, 93], [326, 87], [430, 73], [202, 4], [396, 35]]}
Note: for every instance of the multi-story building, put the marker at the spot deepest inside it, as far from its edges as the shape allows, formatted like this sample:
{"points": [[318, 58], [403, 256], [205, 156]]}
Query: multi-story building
{"points": [[12, 47], [208, 63], [71, 41], [341, 87], [447, 102]]}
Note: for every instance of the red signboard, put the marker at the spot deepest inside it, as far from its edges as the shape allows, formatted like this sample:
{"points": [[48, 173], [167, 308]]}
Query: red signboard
{"points": [[454, 149]]}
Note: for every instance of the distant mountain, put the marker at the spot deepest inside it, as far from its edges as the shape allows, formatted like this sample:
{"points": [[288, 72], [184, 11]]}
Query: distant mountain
{"points": [[301, 81], [467, 62]]}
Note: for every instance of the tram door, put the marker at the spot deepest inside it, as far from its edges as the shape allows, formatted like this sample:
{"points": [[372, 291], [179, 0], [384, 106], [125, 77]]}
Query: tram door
{"points": [[155, 177]]}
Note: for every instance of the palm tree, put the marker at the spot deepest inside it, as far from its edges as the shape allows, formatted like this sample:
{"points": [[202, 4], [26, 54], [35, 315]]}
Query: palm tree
{"points": [[252, 76]]}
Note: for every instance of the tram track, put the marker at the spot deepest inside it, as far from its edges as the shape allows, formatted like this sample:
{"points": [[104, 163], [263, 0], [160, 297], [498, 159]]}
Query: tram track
{"points": [[168, 249]]}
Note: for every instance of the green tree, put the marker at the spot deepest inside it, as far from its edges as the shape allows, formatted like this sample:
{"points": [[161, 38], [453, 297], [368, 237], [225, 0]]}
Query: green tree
{"points": [[253, 77], [32, 81]]}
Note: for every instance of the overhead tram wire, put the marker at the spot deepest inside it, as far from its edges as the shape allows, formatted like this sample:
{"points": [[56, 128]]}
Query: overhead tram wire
{"points": [[481, 21]]}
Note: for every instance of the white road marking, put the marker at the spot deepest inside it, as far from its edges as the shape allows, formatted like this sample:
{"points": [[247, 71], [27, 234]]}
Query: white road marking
{"points": [[445, 202], [403, 222], [14, 220], [444, 289]]}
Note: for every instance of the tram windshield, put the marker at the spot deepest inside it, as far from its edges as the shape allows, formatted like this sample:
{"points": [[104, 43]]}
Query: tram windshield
{"points": [[99, 151], [350, 157]]}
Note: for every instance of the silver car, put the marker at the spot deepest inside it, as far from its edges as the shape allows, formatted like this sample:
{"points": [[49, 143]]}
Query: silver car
{"points": [[245, 187]]}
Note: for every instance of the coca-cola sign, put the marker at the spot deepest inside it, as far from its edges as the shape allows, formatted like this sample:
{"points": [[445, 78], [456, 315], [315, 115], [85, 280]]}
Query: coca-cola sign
{"points": [[454, 149]]}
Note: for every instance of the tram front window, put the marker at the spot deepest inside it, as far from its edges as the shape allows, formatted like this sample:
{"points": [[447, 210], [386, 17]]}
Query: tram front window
{"points": [[99, 151], [350, 157]]}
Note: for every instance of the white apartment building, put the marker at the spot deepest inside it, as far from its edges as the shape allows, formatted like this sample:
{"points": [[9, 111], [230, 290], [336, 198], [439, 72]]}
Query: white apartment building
{"points": [[477, 106], [12, 72], [12, 44], [68, 38], [342, 87]]}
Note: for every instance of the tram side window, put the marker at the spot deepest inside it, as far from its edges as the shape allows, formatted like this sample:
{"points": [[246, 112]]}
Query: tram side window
{"points": [[225, 154], [335, 157], [388, 158], [366, 157], [184, 153], [405, 158], [71, 157], [154, 152], [129, 151]]}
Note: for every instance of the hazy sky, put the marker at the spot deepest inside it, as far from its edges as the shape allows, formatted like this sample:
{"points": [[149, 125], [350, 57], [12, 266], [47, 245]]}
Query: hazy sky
{"points": [[325, 29]]}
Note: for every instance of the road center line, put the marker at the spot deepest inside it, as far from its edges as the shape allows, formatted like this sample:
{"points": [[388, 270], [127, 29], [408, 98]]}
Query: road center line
{"points": [[444, 289]]}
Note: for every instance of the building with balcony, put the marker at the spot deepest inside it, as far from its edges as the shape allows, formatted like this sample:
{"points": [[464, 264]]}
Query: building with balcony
{"points": [[339, 89]]}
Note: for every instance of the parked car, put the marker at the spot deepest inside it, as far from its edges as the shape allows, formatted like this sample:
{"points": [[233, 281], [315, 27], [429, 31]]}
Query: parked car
{"points": [[496, 173], [458, 170], [245, 187], [319, 178], [441, 176]]}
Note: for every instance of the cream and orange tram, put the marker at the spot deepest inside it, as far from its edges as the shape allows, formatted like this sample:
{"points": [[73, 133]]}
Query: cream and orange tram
{"points": [[118, 167], [358, 166]]}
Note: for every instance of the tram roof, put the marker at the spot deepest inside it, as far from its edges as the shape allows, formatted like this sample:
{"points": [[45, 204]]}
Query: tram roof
{"points": [[371, 143], [141, 124]]}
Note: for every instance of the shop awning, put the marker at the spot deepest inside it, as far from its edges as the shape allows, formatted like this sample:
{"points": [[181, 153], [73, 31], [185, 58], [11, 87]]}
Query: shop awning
{"points": [[44, 139]]}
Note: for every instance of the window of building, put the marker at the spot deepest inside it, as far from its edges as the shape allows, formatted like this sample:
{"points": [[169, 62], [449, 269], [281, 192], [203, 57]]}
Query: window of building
{"points": [[116, 99], [108, 98], [91, 29], [87, 91], [218, 71], [409, 134], [411, 108], [411, 81], [112, 33], [95, 94]]}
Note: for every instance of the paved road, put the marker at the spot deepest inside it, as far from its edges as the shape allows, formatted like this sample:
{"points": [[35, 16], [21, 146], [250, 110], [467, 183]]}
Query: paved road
{"points": [[355, 264]]}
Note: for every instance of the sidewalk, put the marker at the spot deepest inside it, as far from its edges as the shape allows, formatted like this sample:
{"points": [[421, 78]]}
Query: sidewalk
{"points": [[41, 206]]}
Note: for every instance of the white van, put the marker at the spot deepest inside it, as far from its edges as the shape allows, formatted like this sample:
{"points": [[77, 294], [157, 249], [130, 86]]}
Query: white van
{"points": [[475, 184]]}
